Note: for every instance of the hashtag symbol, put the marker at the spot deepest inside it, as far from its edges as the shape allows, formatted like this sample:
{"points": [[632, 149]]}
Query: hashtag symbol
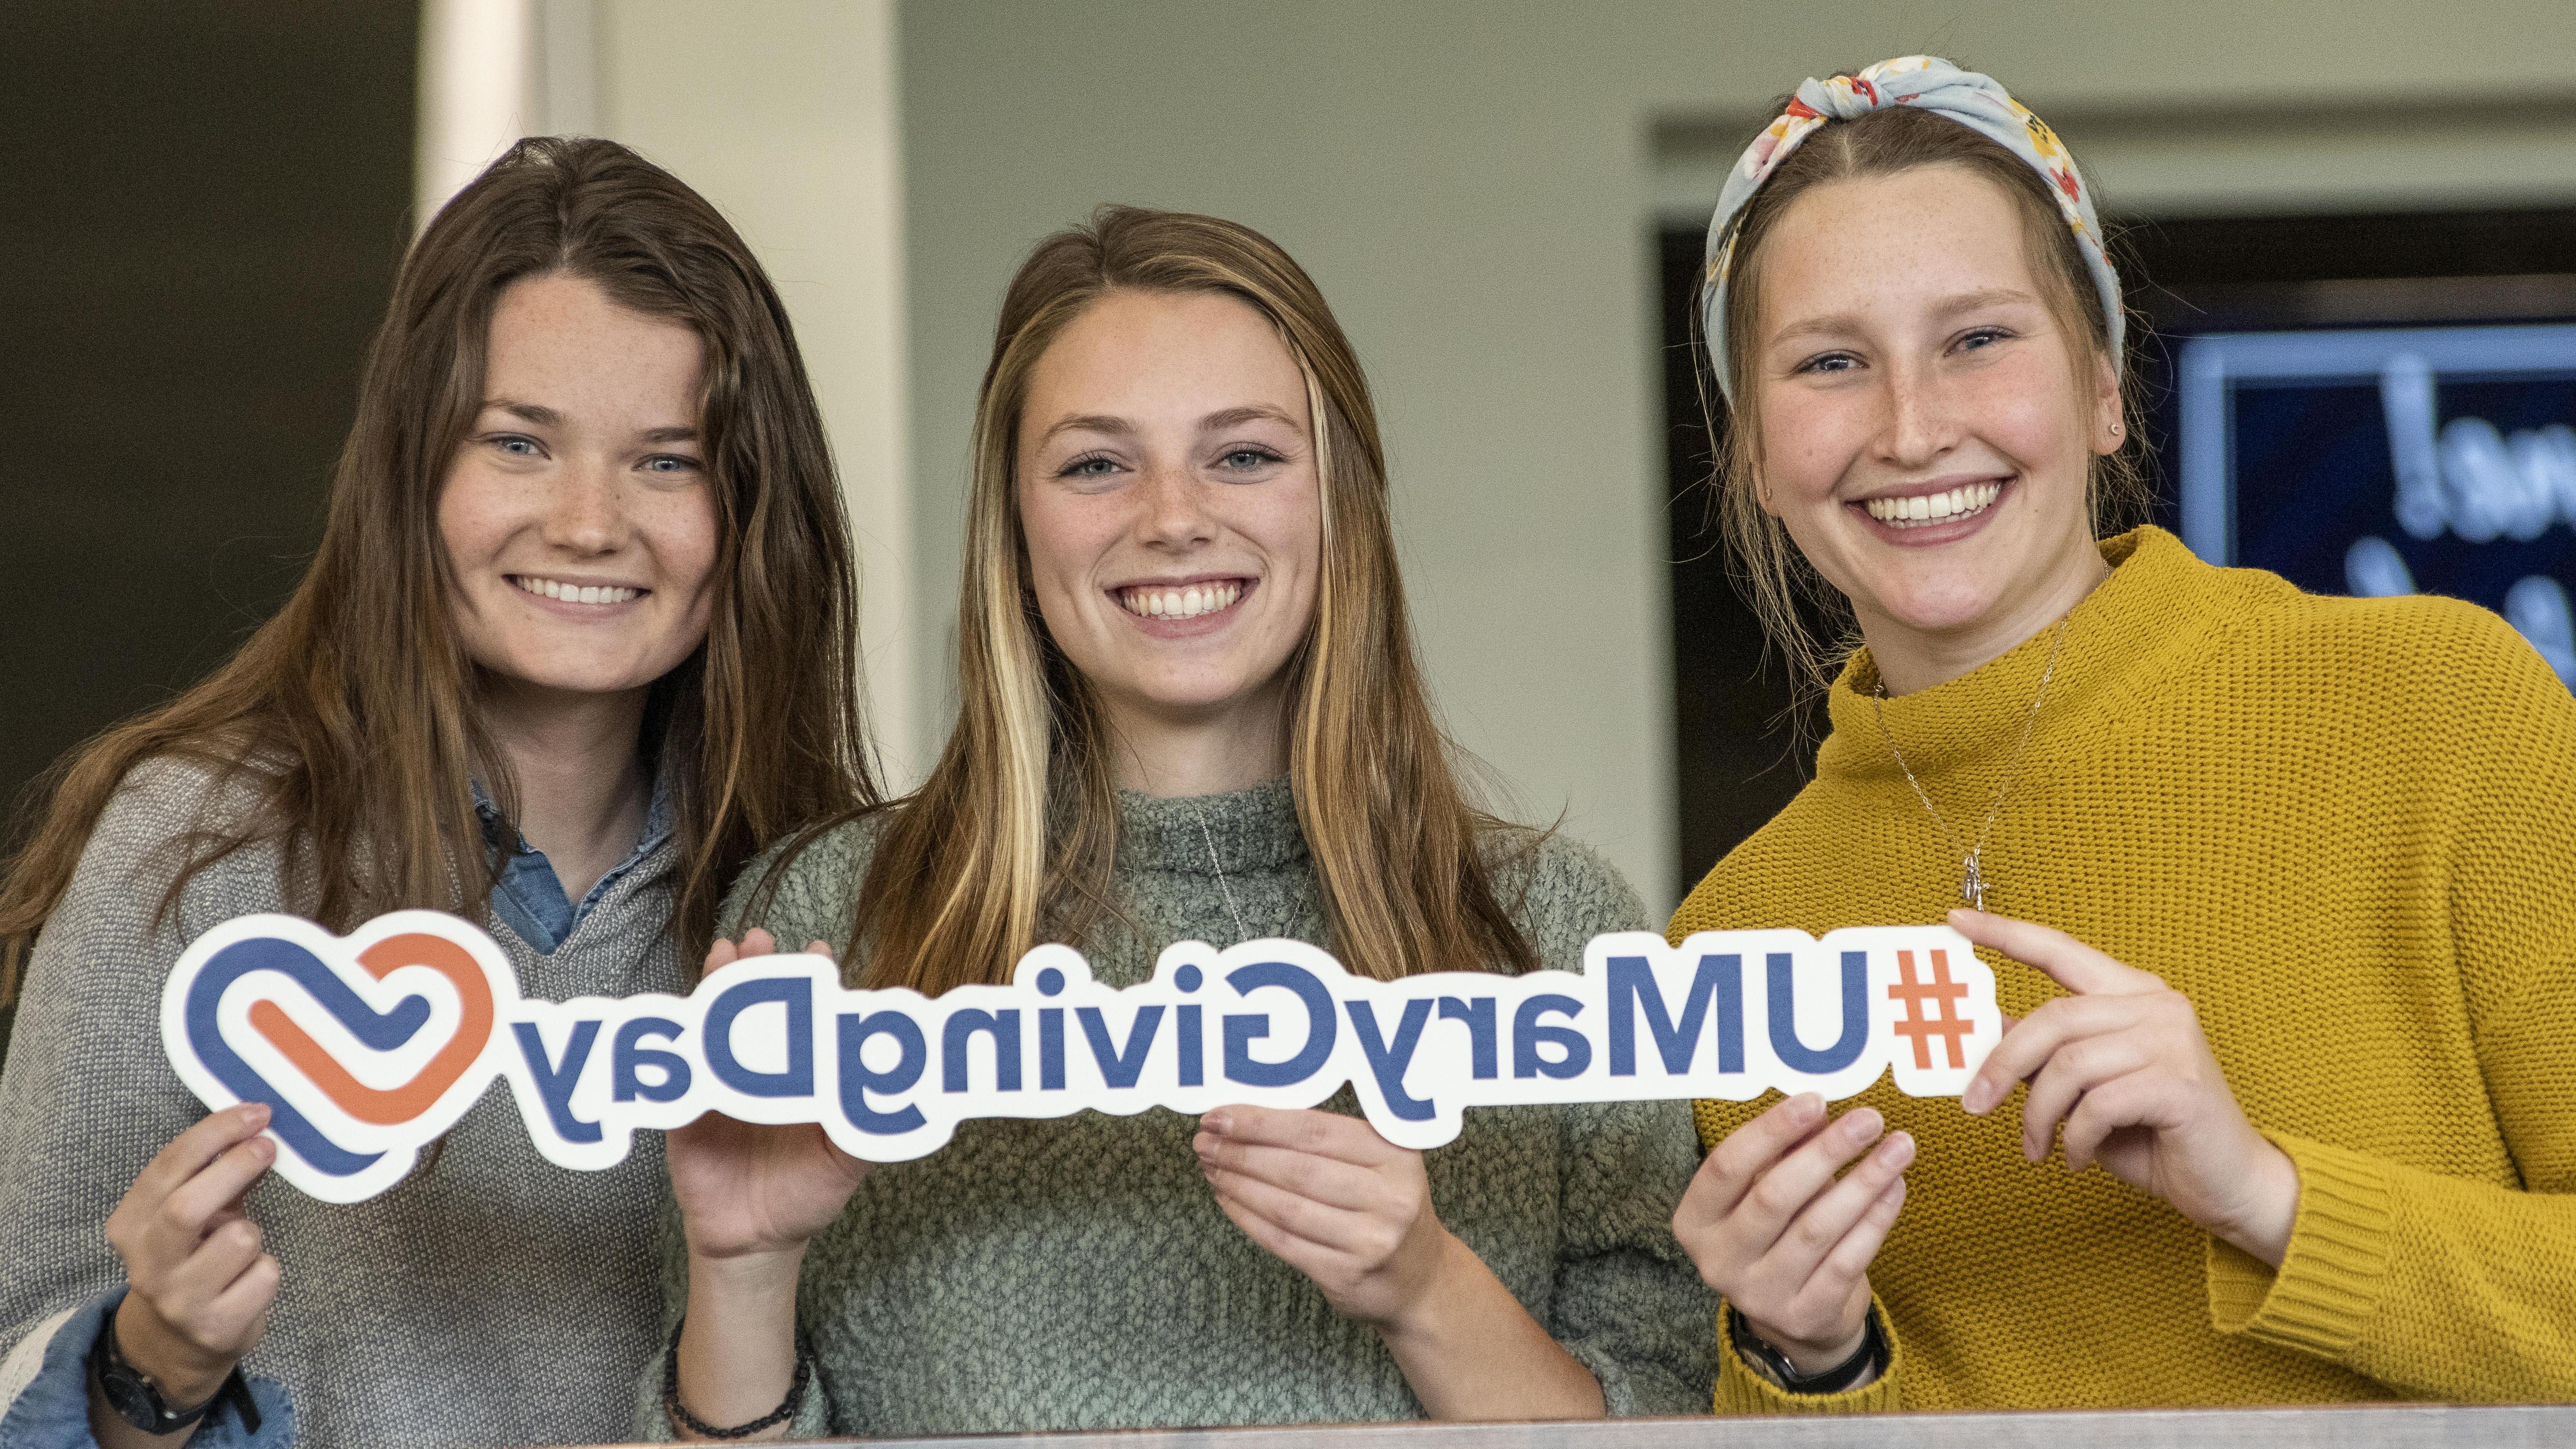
{"points": [[1927, 1009]]}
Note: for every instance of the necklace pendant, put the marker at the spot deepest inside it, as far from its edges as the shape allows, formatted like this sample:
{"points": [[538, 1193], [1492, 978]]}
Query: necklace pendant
{"points": [[1972, 885]]}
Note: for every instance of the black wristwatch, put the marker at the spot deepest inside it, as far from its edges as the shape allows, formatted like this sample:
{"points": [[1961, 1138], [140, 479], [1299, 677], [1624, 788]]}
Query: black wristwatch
{"points": [[1864, 1366], [137, 1402]]}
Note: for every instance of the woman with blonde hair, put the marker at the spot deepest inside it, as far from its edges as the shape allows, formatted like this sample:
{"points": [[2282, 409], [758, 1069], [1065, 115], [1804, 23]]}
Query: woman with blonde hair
{"points": [[2274, 884], [576, 645], [1190, 710]]}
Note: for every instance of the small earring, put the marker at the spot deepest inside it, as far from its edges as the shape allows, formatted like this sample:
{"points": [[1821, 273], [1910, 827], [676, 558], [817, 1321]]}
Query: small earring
{"points": [[2115, 430]]}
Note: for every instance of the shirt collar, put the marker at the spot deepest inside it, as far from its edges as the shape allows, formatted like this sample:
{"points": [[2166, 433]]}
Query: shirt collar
{"points": [[659, 816]]}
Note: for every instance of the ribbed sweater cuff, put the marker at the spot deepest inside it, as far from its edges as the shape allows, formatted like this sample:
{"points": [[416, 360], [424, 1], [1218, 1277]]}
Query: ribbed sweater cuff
{"points": [[1741, 1389], [2328, 1285]]}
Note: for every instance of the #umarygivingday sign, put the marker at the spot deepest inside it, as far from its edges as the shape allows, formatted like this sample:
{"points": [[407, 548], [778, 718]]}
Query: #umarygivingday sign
{"points": [[366, 1047]]}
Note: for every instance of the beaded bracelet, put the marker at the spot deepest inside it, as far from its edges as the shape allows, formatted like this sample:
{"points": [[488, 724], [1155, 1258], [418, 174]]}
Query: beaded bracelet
{"points": [[785, 1411]]}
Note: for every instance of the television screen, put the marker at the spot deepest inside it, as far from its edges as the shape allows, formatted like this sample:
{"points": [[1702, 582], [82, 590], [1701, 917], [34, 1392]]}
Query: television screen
{"points": [[2435, 460]]}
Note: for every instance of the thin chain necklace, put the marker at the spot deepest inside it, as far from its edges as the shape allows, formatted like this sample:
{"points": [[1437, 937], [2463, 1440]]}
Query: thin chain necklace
{"points": [[1972, 877], [1241, 932]]}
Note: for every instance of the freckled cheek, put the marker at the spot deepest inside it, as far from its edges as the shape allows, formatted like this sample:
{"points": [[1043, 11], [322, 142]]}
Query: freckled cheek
{"points": [[1286, 525], [2029, 415], [1063, 551], [680, 534], [1807, 451], [475, 520]]}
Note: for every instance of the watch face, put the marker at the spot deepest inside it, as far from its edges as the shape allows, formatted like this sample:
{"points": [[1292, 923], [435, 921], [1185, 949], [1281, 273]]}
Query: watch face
{"points": [[131, 1398], [134, 1399]]}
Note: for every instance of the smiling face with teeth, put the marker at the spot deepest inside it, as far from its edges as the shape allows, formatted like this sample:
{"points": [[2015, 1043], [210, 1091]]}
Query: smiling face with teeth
{"points": [[580, 531], [1169, 500], [1924, 438]]}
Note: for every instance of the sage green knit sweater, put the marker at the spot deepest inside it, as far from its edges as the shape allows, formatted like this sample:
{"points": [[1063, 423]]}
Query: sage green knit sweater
{"points": [[1076, 1273]]}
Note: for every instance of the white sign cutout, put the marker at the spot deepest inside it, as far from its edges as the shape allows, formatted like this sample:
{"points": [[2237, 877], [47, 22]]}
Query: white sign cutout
{"points": [[369, 1046]]}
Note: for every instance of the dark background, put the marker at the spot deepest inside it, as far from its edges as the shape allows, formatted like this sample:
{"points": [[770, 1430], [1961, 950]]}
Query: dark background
{"points": [[208, 204], [1738, 753], [205, 205]]}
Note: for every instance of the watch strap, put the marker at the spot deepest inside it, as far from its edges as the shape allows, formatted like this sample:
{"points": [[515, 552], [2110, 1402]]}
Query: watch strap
{"points": [[137, 1400], [1864, 1366]]}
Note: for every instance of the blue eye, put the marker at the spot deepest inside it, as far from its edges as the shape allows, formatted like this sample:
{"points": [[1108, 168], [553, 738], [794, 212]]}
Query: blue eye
{"points": [[1983, 336], [1090, 465], [1830, 362], [518, 446], [670, 463], [1246, 459]]}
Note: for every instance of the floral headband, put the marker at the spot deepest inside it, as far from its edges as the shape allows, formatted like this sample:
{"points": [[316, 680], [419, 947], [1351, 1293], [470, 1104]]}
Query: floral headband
{"points": [[1927, 83]]}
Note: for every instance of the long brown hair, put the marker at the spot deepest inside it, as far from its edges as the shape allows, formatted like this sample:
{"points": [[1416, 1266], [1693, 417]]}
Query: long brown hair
{"points": [[1784, 589], [1013, 836], [351, 717]]}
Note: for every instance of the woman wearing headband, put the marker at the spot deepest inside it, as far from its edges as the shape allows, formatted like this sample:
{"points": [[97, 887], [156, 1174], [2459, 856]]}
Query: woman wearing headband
{"points": [[576, 644], [2276, 884], [1190, 712]]}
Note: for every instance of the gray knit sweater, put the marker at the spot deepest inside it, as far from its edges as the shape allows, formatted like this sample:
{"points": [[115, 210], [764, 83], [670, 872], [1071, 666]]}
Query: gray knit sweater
{"points": [[490, 1298], [1076, 1273]]}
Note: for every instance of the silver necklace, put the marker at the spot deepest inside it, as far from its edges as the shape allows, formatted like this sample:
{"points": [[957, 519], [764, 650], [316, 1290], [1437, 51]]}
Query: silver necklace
{"points": [[1972, 873], [1241, 932]]}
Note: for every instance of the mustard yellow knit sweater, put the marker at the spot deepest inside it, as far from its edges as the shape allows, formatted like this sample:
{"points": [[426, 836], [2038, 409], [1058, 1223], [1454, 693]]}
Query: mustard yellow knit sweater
{"points": [[2346, 829]]}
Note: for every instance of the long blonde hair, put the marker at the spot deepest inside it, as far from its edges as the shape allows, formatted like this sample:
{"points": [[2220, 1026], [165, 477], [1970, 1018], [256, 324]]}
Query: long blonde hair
{"points": [[1012, 838]]}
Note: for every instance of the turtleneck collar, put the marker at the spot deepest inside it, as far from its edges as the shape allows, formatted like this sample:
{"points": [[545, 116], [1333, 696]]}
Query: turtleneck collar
{"points": [[2159, 602], [1249, 830]]}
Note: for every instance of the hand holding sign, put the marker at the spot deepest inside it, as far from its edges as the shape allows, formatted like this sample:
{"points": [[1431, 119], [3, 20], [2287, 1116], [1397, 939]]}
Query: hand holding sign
{"points": [[2123, 1063], [751, 1196], [749, 1188], [1787, 1243], [1352, 1211], [201, 1287], [1332, 1199]]}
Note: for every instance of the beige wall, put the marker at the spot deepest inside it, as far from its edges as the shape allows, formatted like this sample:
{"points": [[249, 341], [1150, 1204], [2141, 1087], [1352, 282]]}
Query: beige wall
{"points": [[1474, 184], [784, 114]]}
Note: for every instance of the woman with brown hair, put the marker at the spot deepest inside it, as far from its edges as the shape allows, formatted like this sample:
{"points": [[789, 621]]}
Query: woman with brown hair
{"points": [[1190, 710], [576, 645]]}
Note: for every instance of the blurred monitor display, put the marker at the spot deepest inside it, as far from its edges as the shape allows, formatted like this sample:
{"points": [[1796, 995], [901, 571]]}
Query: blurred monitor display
{"points": [[2437, 460]]}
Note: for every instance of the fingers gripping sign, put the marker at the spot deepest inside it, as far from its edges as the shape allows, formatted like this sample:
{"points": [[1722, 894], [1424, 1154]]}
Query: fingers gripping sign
{"points": [[2122, 1066], [751, 1196], [1331, 1198], [746, 1188], [1777, 1225], [202, 1285]]}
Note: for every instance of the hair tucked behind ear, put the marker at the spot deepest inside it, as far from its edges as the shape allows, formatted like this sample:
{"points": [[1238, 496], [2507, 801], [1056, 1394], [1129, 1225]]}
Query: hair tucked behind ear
{"points": [[1012, 838], [350, 722], [1777, 580]]}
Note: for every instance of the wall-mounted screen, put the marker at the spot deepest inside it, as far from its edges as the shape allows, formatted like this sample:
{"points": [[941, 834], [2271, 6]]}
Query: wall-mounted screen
{"points": [[2434, 460]]}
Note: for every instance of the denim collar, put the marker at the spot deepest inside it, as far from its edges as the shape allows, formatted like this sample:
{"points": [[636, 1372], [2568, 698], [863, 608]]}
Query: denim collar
{"points": [[529, 897]]}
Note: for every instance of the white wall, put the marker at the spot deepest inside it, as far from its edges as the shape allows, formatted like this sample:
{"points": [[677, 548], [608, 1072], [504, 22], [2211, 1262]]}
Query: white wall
{"points": [[1473, 183], [785, 115], [490, 72]]}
